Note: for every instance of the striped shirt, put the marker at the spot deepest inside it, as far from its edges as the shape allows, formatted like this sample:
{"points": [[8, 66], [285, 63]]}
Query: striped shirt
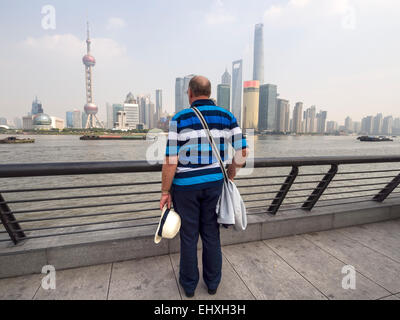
{"points": [[197, 166]]}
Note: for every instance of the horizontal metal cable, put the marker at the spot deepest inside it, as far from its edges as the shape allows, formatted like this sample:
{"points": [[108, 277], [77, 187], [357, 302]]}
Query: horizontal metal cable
{"points": [[372, 171], [255, 193], [261, 185], [80, 225], [80, 207], [356, 185], [80, 187], [364, 178], [352, 191], [81, 197], [352, 197], [86, 231], [88, 216]]}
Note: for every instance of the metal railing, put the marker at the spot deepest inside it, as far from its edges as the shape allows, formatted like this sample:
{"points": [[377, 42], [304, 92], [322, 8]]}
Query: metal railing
{"points": [[291, 186]]}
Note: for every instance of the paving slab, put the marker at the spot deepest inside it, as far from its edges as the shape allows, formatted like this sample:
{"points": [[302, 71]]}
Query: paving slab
{"points": [[144, 279], [383, 237], [374, 265], [267, 275], [231, 287], [87, 283], [20, 288], [322, 269]]}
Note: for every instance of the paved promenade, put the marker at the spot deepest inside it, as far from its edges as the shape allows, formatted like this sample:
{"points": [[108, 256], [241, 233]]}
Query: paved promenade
{"points": [[305, 266]]}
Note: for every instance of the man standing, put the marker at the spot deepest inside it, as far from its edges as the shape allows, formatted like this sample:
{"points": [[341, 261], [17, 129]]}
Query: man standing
{"points": [[192, 179]]}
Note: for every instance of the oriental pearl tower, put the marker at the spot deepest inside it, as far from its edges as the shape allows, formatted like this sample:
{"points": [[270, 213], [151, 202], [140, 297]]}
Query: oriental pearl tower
{"points": [[90, 108]]}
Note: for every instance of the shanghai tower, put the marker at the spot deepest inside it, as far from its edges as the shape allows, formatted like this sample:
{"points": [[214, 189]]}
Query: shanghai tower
{"points": [[258, 68]]}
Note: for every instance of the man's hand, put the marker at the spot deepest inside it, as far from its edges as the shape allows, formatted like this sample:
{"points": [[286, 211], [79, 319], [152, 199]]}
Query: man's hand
{"points": [[165, 199]]}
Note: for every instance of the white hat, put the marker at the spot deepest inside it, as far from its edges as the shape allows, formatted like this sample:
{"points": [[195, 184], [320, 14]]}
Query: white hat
{"points": [[168, 226]]}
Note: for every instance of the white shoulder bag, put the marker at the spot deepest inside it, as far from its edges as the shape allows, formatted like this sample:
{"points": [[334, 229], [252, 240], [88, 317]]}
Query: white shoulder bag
{"points": [[230, 207]]}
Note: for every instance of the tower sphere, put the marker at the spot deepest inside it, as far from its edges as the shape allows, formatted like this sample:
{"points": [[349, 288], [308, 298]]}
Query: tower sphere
{"points": [[91, 108], [89, 60]]}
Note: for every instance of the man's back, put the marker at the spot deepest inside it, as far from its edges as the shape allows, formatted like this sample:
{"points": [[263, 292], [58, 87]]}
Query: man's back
{"points": [[197, 167]]}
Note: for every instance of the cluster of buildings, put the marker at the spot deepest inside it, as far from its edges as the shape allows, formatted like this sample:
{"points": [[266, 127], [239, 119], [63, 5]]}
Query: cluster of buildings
{"points": [[255, 104], [369, 125]]}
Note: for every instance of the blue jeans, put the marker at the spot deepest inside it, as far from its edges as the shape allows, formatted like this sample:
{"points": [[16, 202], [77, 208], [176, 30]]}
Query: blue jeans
{"points": [[198, 216]]}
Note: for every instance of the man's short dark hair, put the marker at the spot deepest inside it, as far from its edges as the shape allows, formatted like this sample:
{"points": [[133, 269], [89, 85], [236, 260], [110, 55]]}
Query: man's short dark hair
{"points": [[200, 86]]}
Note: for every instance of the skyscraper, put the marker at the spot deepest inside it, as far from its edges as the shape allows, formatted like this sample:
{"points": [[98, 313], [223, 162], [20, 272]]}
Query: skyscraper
{"points": [[258, 67], [224, 96], [158, 104], [90, 108], [226, 78], [116, 107], [267, 107], [178, 94], [378, 123], [348, 124], [387, 125], [321, 121], [282, 115], [297, 117], [185, 99], [36, 107], [237, 90], [251, 99]]}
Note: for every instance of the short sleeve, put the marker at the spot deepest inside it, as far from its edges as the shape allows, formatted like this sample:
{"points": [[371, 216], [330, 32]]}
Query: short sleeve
{"points": [[237, 139], [172, 148]]}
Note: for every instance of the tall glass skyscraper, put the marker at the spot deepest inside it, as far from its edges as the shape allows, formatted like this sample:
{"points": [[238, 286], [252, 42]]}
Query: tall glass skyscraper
{"points": [[224, 96], [267, 107], [178, 94], [258, 67], [158, 104], [237, 90], [226, 78]]}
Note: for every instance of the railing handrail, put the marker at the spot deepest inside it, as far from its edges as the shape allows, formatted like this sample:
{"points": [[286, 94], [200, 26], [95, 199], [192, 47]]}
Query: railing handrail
{"points": [[102, 167]]}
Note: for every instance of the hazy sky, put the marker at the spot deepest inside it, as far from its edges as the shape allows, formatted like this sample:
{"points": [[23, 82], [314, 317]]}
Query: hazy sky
{"points": [[340, 55]]}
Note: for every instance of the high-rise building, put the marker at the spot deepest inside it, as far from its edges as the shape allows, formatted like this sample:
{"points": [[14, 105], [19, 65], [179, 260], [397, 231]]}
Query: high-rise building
{"points": [[57, 123], [367, 125], [178, 94], [18, 123], [251, 97], [158, 105], [36, 107], [3, 121], [69, 118], [387, 125], [132, 115], [258, 67], [186, 81], [356, 126], [267, 107], [282, 115], [378, 123], [121, 124], [331, 126], [226, 78], [27, 122], [110, 116], [310, 120], [224, 96], [348, 124], [297, 117], [116, 107], [90, 108], [321, 121], [237, 90]]}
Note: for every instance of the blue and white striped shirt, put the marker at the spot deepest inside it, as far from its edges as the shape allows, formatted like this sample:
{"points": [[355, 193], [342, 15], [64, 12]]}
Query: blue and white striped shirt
{"points": [[197, 166]]}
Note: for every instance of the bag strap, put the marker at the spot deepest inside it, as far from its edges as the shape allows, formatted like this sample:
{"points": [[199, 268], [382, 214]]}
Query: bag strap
{"points": [[211, 141]]}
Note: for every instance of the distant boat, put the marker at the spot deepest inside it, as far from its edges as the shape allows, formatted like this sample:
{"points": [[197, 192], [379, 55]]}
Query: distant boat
{"points": [[374, 139], [138, 137], [16, 140]]}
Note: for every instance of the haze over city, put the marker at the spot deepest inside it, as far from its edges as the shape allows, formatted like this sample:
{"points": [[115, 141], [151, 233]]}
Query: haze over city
{"points": [[341, 56]]}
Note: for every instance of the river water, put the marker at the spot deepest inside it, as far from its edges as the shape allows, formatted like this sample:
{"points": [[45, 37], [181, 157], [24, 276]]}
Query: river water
{"points": [[64, 148]]}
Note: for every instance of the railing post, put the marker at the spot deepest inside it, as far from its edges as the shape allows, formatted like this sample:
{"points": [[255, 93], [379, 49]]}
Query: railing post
{"points": [[387, 190], [319, 190], [8, 220], [276, 203]]}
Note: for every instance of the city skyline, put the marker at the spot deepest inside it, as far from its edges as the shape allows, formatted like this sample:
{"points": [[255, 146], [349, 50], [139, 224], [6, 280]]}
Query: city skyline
{"points": [[305, 66]]}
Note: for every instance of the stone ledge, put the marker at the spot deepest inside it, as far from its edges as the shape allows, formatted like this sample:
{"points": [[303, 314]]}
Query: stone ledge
{"points": [[104, 247]]}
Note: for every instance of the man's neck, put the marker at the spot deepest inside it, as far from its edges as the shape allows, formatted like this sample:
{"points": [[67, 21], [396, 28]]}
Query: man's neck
{"points": [[200, 98]]}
